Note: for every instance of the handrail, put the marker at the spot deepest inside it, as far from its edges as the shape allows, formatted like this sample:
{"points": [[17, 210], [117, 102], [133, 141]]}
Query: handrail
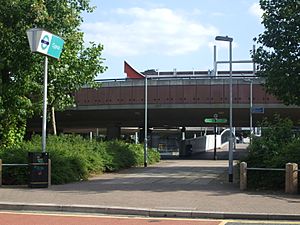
{"points": [[266, 169], [291, 176], [25, 164], [165, 77], [48, 164], [15, 164]]}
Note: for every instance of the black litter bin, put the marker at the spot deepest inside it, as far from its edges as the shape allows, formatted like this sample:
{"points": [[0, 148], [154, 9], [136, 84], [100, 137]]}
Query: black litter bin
{"points": [[38, 169]]}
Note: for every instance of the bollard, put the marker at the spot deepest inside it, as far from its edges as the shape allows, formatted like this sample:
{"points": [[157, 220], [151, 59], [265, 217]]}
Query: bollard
{"points": [[0, 172], [243, 176], [291, 178], [49, 172]]}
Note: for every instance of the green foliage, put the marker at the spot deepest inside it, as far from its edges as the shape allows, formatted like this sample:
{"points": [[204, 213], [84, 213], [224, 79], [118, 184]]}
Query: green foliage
{"points": [[74, 158], [277, 146], [278, 56], [21, 72], [14, 175]]}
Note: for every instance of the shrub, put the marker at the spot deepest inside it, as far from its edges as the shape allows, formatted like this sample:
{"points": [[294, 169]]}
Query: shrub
{"points": [[277, 146], [74, 158], [14, 175]]}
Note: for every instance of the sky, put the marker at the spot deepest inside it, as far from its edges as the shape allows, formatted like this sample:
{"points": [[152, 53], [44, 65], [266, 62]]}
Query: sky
{"points": [[171, 34]]}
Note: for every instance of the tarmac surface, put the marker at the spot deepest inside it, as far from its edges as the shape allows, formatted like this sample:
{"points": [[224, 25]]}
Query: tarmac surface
{"points": [[190, 188]]}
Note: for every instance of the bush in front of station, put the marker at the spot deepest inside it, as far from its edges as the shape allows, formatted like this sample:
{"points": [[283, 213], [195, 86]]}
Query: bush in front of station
{"points": [[74, 158], [279, 144]]}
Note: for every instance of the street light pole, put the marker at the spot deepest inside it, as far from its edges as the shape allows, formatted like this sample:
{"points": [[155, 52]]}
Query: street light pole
{"points": [[250, 80], [251, 106], [251, 97], [230, 173], [146, 124], [230, 150], [44, 128]]}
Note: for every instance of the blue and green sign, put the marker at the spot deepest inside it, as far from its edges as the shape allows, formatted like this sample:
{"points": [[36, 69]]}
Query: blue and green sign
{"points": [[44, 42], [51, 45]]}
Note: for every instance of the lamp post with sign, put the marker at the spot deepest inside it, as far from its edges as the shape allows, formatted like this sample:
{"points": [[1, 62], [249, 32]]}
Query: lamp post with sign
{"points": [[47, 44], [215, 121], [146, 123], [230, 150]]}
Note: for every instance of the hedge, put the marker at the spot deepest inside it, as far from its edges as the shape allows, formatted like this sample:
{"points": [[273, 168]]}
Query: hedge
{"points": [[74, 158], [279, 144]]}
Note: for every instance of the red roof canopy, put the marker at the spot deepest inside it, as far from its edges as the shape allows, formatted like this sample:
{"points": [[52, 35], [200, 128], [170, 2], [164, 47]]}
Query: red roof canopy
{"points": [[132, 73]]}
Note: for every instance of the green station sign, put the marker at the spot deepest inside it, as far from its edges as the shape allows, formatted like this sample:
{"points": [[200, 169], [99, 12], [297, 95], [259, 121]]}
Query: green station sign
{"points": [[214, 121]]}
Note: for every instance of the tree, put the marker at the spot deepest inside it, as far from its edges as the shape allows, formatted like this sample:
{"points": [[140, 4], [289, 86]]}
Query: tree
{"points": [[71, 76], [22, 72], [277, 146], [279, 55]]}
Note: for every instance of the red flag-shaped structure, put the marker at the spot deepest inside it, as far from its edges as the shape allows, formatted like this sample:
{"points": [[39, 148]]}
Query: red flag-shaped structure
{"points": [[132, 73]]}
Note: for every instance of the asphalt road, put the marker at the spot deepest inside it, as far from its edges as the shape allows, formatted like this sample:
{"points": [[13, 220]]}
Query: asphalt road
{"points": [[28, 218]]}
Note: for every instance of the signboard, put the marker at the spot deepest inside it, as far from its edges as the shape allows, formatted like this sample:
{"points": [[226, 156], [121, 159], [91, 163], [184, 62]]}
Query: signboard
{"points": [[258, 110], [48, 44], [44, 42], [214, 120]]}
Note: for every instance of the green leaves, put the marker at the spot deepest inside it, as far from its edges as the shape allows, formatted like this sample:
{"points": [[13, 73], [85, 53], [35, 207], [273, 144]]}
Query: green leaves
{"points": [[277, 146], [21, 79], [74, 158], [279, 54]]}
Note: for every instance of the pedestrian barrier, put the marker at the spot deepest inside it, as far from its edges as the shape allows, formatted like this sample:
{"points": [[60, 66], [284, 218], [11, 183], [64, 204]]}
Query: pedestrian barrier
{"points": [[27, 165], [291, 176]]}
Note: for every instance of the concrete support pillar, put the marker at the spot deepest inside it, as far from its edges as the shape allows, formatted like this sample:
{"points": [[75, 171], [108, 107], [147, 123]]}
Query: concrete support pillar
{"points": [[291, 178], [183, 133], [136, 138], [91, 136], [243, 176], [113, 133]]}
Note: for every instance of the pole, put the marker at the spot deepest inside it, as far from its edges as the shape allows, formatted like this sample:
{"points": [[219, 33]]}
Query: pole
{"points": [[251, 106], [215, 60], [215, 147], [230, 172], [45, 106], [146, 125], [251, 98]]}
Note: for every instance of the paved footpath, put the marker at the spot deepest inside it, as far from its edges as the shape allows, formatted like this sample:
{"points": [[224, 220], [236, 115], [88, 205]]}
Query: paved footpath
{"points": [[184, 188]]}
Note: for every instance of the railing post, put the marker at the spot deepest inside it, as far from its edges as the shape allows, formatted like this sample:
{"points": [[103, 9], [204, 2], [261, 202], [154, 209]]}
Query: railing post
{"points": [[0, 172], [291, 178], [243, 176], [49, 172]]}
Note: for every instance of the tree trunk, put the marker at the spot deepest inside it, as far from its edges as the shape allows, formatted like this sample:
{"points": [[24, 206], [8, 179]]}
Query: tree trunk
{"points": [[53, 120]]}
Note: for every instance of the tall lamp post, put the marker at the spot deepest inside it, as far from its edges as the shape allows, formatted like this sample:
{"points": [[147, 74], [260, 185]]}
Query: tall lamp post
{"points": [[146, 124], [230, 151], [251, 97], [250, 80]]}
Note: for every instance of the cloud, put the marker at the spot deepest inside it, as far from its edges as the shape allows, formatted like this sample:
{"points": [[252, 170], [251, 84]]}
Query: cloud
{"points": [[256, 10], [138, 31], [218, 14]]}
